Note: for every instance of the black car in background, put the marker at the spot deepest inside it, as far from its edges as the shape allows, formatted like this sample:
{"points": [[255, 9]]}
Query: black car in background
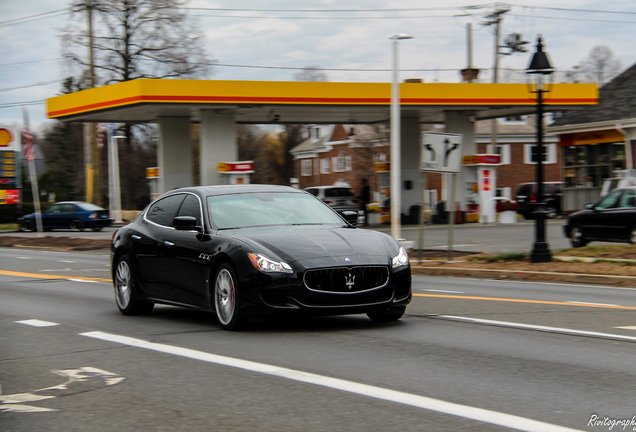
{"points": [[611, 219], [239, 250], [526, 198], [73, 215]]}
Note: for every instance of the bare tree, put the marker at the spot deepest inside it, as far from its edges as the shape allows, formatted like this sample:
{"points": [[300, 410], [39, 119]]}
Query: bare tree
{"points": [[135, 39], [600, 66]]}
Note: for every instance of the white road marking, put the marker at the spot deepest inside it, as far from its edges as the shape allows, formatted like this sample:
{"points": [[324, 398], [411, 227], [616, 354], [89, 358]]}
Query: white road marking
{"points": [[479, 414], [626, 327], [538, 328], [17, 402], [37, 323]]}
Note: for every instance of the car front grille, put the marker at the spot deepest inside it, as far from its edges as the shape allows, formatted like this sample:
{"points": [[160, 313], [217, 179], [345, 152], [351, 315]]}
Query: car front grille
{"points": [[347, 280]]}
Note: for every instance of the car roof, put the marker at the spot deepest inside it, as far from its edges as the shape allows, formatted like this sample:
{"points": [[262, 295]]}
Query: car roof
{"points": [[234, 189]]}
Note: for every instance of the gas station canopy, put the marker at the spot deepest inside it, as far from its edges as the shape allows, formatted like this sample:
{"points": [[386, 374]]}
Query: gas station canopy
{"points": [[294, 102]]}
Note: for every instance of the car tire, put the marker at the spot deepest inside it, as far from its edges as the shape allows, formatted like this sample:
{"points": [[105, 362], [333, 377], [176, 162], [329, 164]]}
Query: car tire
{"points": [[77, 225], [125, 290], [576, 238], [386, 314], [27, 225], [226, 298], [97, 229]]}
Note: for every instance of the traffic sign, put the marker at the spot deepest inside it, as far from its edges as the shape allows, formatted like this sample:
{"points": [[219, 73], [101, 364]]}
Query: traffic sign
{"points": [[441, 152]]}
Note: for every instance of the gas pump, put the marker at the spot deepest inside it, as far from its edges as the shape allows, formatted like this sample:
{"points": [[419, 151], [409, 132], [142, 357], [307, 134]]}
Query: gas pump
{"points": [[484, 170], [234, 173]]}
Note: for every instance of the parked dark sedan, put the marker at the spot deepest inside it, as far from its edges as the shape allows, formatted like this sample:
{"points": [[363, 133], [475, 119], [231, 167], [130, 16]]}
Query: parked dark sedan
{"points": [[74, 215], [611, 219], [240, 250]]}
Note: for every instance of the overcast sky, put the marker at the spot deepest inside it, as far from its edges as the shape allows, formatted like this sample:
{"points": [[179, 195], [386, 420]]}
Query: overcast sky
{"points": [[274, 39]]}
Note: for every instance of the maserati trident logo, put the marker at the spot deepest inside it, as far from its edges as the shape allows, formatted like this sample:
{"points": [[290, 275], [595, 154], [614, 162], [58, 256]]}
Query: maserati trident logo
{"points": [[350, 281]]}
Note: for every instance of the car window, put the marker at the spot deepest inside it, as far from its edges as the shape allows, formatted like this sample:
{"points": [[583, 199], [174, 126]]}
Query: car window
{"points": [[68, 208], [163, 211], [338, 192], [269, 209], [55, 208], [628, 199], [610, 200], [191, 207], [524, 189]]}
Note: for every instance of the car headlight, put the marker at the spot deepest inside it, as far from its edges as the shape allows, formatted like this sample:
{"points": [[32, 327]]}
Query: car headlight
{"points": [[264, 264], [401, 259]]}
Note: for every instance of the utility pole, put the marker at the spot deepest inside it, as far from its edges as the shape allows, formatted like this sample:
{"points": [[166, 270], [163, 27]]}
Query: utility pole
{"points": [[495, 19], [93, 178]]}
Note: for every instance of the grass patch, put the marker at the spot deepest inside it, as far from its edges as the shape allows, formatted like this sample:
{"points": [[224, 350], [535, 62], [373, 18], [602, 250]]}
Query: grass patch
{"points": [[8, 226], [502, 257]]}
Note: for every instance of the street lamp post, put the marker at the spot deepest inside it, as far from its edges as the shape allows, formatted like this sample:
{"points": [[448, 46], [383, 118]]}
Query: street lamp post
{"points": [[540, 70], [396, 167]]}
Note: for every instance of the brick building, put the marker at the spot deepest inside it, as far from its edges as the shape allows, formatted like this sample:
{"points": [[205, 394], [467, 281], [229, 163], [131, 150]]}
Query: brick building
{"points": [[342, 154], [346, 154]]}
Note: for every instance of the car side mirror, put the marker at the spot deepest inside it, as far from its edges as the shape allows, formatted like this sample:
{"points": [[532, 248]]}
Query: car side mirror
{"points": [[185, 223], [589, 206], [351, 217]]}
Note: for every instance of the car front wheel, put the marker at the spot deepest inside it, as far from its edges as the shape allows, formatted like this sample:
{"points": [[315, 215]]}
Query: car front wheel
{"points": [[125, 287], [576, 237], [27, 225], [226, 298]]}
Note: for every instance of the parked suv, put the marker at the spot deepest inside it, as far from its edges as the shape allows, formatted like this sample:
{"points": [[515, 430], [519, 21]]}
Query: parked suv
{"points": [[340, 198], [526, 197]]}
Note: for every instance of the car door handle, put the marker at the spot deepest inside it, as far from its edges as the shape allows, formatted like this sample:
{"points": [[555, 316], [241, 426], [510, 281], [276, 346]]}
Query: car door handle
{"points": [[135, 237], [168, 243]]}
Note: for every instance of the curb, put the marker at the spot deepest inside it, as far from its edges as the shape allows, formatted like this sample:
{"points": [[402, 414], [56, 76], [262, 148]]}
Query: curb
{"points": [[612, 280]]}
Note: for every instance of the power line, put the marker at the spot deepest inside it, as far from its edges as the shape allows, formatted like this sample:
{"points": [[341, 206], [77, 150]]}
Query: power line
{"points": [[36, 17]]}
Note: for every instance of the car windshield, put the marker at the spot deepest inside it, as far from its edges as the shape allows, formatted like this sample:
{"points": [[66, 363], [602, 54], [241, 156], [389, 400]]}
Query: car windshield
{"points": [[269, 209]]}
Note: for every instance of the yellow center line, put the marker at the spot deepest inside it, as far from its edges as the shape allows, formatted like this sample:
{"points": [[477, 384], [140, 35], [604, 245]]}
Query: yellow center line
{"points": [[526, 301], [44, 276]]}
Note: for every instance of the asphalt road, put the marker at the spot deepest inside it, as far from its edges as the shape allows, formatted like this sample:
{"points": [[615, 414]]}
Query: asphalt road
{"points": [[470, 355], [472, 237]]}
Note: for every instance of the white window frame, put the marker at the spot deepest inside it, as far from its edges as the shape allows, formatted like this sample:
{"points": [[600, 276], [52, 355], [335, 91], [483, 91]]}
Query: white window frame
{"points": [[550, 151], [503, 150], [324, 166], [305, 167]]}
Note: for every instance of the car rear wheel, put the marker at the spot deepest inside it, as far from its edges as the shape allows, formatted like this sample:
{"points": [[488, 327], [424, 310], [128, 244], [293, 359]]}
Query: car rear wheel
{"points": [[226, 297], [27, 225], [97, 229], [125, 286], [386, 314], [632, 235], [77, 225], [576, 237]]}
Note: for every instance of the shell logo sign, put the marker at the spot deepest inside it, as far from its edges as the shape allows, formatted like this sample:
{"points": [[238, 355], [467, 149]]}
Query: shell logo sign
{"points": [[6, 138]]}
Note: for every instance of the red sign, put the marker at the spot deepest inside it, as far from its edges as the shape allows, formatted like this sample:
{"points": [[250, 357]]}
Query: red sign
{"points": [[10, 196], [486, 181], [481, 159], [236, 167]]}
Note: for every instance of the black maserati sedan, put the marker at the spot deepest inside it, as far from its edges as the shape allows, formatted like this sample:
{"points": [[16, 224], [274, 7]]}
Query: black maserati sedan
{"points": [[243, 250]]}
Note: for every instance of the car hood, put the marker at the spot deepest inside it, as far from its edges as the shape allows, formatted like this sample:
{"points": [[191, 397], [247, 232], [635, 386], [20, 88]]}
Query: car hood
{"points": [[359, 246]]}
